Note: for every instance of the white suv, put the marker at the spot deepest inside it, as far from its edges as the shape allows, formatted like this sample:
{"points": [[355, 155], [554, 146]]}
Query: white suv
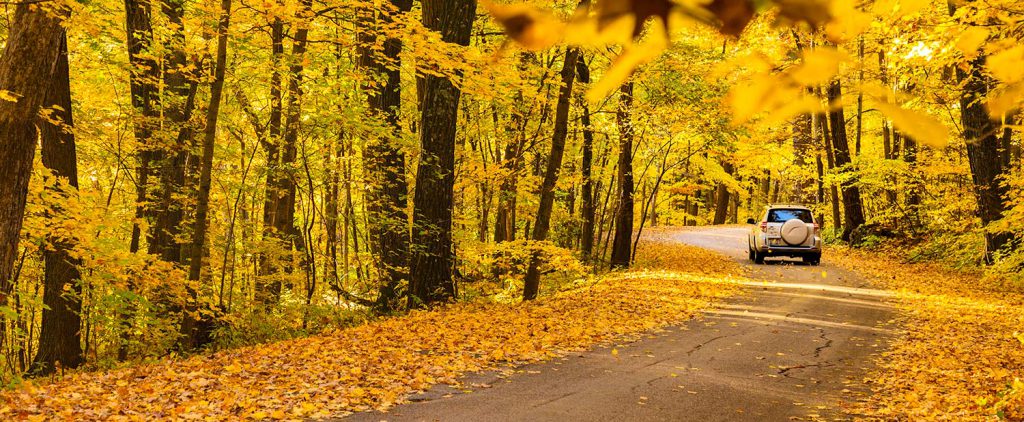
{"points": [[785, 230]]}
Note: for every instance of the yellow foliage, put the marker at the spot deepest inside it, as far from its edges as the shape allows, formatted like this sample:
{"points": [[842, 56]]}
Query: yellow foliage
{"points": [[957, 358], [375, 365]]}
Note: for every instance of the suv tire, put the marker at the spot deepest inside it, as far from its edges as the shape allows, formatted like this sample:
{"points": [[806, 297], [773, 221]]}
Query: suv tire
{"points": [[758, 257], [813, 260]]}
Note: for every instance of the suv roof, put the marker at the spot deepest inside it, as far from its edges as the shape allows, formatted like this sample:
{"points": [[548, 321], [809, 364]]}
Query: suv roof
{"points": [[801, 207]]}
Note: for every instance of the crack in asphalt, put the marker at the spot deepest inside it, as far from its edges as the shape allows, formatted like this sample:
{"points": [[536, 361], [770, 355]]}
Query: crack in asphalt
{"points": [[784, 371], [828, 343]]}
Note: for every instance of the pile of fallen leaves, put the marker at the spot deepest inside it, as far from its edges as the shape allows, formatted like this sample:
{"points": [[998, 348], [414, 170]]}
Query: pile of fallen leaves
{"points": [[961, 356], [375, 365]]}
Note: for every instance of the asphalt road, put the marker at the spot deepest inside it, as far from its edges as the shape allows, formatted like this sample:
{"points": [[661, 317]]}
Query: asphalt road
{"points": [[790, 349]]}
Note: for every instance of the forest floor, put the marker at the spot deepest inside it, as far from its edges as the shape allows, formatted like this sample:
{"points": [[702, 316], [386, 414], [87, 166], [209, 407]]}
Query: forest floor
{"points": [[378, 364], [694, 333], [960, 355]]}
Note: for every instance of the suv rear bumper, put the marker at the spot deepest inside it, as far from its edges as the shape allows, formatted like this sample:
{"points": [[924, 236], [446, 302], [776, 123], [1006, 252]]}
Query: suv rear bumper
{"points": [[761, 246], [791, 251]]}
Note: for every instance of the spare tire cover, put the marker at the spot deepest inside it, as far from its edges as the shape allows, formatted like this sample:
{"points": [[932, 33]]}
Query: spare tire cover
{"points": [[794, 232]]}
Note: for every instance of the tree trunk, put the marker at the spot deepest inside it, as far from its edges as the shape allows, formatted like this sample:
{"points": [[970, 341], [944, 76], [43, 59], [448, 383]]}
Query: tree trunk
{"points": [[803, 147], [144, 73], [722, 196], [826, 142], [386, 188], [624, 217], [433, 254], [531, 284], [27, 65], [852, 207], [59, 342], [588, 208], [268, 287], [191, 334], [982, 136], [171, 154]]}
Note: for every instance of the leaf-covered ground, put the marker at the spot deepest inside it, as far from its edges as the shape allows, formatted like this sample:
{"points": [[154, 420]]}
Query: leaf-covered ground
{"points": [[375, 365], [961, 356]]}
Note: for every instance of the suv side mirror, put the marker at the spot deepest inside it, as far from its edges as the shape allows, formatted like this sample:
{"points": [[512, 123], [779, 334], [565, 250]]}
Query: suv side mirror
{"points": [[751, 221]]}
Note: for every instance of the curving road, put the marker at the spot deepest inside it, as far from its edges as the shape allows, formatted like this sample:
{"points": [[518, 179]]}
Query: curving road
{"points": [[788, 350]]}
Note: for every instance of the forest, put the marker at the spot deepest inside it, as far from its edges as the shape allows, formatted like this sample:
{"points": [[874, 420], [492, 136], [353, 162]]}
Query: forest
{"points": [[180, 177]]}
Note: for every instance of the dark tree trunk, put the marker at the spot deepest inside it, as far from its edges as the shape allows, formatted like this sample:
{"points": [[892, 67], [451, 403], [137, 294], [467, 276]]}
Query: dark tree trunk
{"points": [[826, 142], [59, 342], [171, 155], [910, 148], [282, 152], [27, 65], [531, 283], [191, 334], [268, 287], [983, 153], [722, 196], [803, 147], [384, 161], [433, 254], [852, 207], [622, 244], [589, 207], [144, 72]]}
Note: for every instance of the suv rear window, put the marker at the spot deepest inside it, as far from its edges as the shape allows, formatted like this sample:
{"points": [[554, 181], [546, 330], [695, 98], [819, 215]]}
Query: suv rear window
{"points": [[784, 215]]}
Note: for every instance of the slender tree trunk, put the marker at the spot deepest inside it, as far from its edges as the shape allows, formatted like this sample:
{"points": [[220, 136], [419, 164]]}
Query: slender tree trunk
{"points": [[191, 334], [589, 207], [386, 188], [59, 342], [722, 196], [433, 254], [624, 217], [284, 220], [27, 66], [172, 154], [852, 206], [826, 141], [803, 147], [144, 73], [268, 286], [531, 284], [982, 136]]}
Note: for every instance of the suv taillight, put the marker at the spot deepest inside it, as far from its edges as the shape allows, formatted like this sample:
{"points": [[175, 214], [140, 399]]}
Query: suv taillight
{"points": [[764, 227], [817, 229]]}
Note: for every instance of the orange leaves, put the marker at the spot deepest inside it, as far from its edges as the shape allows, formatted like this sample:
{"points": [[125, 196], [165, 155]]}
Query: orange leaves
{"points": [[374, 365], [957, 355]]}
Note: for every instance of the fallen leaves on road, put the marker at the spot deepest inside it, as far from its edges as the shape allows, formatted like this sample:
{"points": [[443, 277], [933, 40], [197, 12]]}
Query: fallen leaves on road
{"points": [[375, 365], [958, 359]]}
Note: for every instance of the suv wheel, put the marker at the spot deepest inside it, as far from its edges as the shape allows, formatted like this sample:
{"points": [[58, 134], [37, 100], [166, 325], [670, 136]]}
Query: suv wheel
{"points": [[750, 253], [813, 259], [758, 257]]}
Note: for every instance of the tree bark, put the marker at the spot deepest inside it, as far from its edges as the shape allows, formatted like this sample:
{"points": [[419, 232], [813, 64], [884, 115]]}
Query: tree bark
{"points": [[983, 153], [268, 287], [589, 207], [170, 156], [531, 284], [383, 160], [624, 217], [722, 196], [144, 71], [27, 65], [60, 345], [852, 207], [191, 334], [433, 254]]}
